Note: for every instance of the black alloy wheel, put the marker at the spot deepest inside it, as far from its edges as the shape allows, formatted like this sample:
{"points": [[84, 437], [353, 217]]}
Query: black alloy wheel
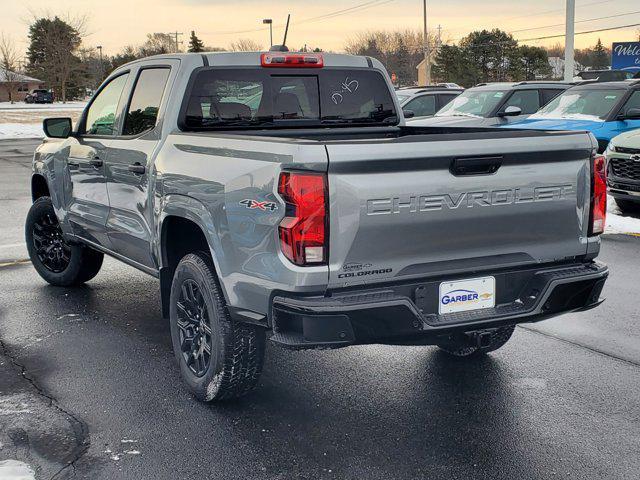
{"points": [[194, 328], [50, 247]]}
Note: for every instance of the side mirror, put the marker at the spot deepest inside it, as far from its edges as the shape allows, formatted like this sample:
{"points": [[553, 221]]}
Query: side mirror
{"points": [[632, 114], [408, 113], [57, 127], [510, 111]]}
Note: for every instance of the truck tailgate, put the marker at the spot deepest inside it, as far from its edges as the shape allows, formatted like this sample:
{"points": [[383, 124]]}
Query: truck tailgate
{"points": [[431, 205]]}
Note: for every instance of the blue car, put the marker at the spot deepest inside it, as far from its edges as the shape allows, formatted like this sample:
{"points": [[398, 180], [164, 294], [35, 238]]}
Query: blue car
{"points": [[605, 109]]}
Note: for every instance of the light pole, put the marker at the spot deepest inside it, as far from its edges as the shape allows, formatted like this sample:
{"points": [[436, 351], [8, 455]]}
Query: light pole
{"points": [[427, 53], [99, 47], [568, 41], [269, 21]]}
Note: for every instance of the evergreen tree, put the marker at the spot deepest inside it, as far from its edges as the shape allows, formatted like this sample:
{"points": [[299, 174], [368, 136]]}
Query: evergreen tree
{"points": [[195, 44], [535, 63], [600, 57], [52, 53]]}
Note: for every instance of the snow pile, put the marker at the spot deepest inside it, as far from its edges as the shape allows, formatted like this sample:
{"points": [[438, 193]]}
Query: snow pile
{"points": [[617, 223], [15, 470]]}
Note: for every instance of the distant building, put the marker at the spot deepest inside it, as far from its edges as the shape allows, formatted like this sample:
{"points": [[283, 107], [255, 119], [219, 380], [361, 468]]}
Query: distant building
{"points": [[422, 74], [557, 67], [25, 85]]}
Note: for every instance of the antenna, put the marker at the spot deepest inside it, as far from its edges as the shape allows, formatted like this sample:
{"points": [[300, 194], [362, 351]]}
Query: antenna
{"points": [[286, 30], [283, 47]]}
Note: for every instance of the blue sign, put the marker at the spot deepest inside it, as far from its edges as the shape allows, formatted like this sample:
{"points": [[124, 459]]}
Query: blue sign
{"points": [[625, 56]]}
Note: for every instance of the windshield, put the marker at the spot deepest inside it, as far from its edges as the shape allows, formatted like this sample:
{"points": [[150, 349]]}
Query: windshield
{"points": [[263, 98], [402, 98], [593, 105], [473, 103]]}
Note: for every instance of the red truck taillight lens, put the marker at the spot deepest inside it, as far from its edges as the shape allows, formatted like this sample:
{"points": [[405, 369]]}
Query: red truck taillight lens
{"points": [[291, 60], [303, 231], [598, 215]]}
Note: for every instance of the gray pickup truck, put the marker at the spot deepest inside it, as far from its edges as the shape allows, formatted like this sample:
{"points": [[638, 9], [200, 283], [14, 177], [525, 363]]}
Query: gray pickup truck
{"points": [[281, 195]]}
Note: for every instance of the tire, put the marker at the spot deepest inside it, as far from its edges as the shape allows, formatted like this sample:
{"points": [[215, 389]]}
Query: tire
{"points": [[499, 338], [57, 262], [219, 359], [627, 206]]}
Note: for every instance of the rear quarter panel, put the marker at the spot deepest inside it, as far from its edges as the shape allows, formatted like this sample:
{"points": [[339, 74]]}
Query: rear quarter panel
{"points": [[206, 177]]}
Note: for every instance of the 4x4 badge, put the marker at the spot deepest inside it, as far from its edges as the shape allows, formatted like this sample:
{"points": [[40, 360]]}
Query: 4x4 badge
{"points": [[254, 204]]}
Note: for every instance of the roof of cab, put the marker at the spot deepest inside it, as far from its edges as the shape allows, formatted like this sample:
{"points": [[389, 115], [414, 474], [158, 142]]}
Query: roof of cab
{"points": [[230, 59]]}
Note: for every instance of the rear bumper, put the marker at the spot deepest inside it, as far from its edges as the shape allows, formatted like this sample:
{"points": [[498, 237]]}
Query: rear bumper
{"points": [[408, 313]]}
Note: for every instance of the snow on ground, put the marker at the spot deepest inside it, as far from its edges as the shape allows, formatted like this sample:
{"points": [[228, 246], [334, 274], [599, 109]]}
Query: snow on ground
{"points": [[617, 223], [42, 106], [20, 130], [22, 120]]}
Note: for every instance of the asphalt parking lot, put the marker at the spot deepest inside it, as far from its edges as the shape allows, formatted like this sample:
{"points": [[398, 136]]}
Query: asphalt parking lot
{"points": [[89, 388]]}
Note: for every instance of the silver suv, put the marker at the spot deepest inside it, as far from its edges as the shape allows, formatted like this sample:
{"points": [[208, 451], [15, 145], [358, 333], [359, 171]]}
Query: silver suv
{"points": [[494, 104]]}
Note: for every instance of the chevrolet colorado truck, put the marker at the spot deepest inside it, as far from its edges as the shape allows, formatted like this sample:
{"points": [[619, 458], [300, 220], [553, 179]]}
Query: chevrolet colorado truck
{"points": [[280, 195]]}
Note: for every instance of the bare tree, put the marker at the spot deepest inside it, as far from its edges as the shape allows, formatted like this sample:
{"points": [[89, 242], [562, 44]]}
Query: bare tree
{"points": [[9, 64], [400, 50], [245, 45], [158, 43]]}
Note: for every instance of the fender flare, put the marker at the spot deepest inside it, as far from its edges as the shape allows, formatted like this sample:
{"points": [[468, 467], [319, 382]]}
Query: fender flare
{"points": [[188, 208]]}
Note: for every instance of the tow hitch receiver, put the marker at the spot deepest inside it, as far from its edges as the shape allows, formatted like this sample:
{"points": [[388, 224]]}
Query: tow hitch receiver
{"points": [[480, 338]]}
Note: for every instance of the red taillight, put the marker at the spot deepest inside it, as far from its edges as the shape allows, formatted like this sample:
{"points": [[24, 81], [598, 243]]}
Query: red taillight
{"points": [[598, 215], [303, 231], [291, 60]]}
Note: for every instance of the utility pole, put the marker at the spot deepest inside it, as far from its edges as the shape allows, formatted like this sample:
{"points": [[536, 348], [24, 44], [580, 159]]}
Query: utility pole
{"points": [[176, 34], [568, 41], [427, 53], [269, 21]]}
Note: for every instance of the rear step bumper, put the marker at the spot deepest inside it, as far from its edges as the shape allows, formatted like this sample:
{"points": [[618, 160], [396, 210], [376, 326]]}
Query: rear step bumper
{"points": [[408, 313]]}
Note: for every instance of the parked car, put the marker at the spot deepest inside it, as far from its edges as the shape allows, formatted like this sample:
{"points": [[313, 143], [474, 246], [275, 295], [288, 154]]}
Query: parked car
{"points": [[449, 85], [425, 101], [39, 95], [623, 167], [605, 109], [605, 75], [494, 104], [314, 215]]}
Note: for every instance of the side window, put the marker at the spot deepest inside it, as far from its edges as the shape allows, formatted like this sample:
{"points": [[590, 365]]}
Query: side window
{"points": [[446, 98], [633, 102], [422, 106], [527, 100], [101, 116], [145, 102], [550, 94]]}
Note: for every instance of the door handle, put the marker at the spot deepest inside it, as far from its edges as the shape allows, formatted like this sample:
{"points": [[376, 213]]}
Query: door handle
{"points": [[475, 166], [95, 161], [137, 168]]}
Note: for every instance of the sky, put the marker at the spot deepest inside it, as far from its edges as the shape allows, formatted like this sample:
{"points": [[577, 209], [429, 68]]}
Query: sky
{"points": [[116, 23]]}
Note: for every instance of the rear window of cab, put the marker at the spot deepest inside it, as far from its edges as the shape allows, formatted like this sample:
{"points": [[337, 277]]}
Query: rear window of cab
{"points": [[223, 98]]}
